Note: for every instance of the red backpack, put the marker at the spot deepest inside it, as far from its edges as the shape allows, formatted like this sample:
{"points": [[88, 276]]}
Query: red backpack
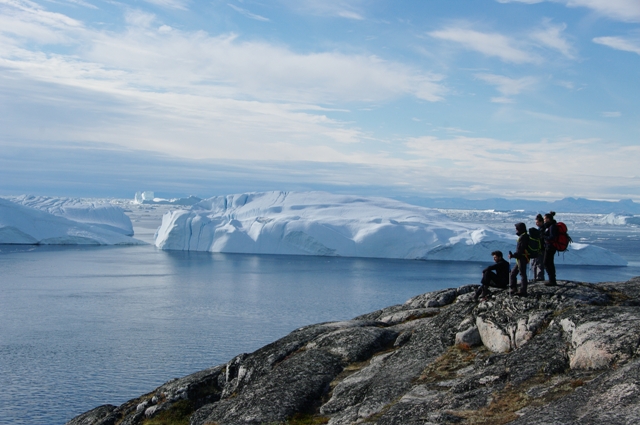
{"points": [[563, 240]]}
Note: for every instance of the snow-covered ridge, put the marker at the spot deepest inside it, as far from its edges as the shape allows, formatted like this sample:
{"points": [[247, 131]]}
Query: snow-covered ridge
{"points": [[318, 223], [93, 212], [21, 224]]}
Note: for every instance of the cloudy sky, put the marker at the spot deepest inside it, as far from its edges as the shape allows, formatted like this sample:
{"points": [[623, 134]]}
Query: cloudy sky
{"points": [[535, 99]]}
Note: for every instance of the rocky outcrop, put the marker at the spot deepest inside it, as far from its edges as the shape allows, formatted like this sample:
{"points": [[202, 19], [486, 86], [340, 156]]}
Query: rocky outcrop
{"points": [[564, 355]]}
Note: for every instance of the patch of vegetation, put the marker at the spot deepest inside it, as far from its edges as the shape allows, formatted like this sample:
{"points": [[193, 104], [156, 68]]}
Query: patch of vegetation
{"points": [[178, 414], [306, 419], [446, 366], [506, 402], [130, 406], [422, 315]]}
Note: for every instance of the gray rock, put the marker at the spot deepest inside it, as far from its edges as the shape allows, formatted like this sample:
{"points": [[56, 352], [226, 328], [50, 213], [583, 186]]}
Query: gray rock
{"points": [[564, 355], [470, 336]]}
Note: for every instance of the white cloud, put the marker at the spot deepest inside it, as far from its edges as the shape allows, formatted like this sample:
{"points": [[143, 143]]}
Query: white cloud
{"points": [[507, 86], [620, 43], [520, 1], [501, 100], [27, 20], [507, 166], [190, 94], [170, 4], [612, 114], [139, 18], [489, 44], [621, 10], [248, 14], [260, 70], [551, 36], [83, 4], [349, 9]]}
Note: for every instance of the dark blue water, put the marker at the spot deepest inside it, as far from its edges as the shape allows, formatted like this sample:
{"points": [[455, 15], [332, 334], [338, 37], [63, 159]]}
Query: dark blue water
{"points": [[81, 327]]}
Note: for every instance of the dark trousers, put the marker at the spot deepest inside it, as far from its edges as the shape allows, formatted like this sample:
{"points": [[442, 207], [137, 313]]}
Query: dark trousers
{"points": [[537, 267], [549, 265], [489, 278], [521, 269]]}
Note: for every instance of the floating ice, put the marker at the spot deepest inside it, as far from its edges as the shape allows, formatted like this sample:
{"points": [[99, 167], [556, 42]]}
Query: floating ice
{"points": [[317, 223], [148, 197], [20, 224], [94, 212]]}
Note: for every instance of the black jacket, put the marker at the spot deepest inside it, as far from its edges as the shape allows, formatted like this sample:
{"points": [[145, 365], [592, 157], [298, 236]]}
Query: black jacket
{"points": [[502, 270], [550, 233], [521, 247]]}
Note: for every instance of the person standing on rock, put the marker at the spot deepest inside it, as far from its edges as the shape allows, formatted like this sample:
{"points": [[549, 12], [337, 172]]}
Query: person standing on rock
{"points": [[522, 259], [496, 275], [550, 235], [537, 263]]}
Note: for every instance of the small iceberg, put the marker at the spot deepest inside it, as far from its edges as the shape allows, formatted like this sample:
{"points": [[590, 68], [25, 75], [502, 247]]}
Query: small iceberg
{"points": [[20, 224], [93, 212]]}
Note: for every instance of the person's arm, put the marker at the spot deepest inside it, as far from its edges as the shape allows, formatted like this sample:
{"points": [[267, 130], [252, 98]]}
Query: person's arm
{"points": [[491, 267]]}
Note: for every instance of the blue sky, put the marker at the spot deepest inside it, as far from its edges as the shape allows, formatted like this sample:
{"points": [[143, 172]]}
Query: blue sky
{"points": [[468, 98]]}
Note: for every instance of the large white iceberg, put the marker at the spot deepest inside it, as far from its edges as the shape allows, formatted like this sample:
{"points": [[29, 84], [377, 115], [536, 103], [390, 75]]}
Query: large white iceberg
{"points": [[20, 224], [98, 213], [318, 223]]}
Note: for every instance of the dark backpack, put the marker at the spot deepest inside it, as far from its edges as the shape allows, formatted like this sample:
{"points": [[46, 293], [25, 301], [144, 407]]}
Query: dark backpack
{"points": [[535, 245], [563, 240]]}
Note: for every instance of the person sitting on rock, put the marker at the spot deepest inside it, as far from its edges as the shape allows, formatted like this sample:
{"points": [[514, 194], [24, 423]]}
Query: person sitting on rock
{"points": [[522, 258], [496, 275]]}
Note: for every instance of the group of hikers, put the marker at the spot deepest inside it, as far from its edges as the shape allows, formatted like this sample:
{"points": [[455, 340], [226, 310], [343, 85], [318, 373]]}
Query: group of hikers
{"points": [[538, 246]]}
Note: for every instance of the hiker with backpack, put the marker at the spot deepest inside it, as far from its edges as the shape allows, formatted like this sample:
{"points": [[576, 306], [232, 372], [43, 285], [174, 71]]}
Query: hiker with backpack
{"points": [[550, 235], [556, 239], [537, 260], [522, 258]]}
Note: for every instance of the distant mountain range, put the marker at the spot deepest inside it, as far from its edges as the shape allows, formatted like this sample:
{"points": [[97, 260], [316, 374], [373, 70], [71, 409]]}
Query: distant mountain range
{"points": [[567, 205]]}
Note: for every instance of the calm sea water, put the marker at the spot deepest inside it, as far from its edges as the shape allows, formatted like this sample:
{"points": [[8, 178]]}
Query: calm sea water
{"points": [[81, 327]]}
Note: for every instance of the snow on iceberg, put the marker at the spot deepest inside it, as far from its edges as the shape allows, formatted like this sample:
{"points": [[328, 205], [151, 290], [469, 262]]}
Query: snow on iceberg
{"points": [[148, 197], [98, 213], [20, 224], [317, 223]]}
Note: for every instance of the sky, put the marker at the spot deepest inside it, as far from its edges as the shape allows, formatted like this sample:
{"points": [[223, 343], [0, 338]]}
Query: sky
{"points": [[532, 99]]}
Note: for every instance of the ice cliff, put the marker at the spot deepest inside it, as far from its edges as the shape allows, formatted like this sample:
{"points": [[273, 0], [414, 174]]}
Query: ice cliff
{"points": [[318, 223], [21, 224]]}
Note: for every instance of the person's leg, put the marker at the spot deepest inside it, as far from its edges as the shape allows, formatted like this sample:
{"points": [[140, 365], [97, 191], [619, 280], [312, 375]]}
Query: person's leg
{"points": [[513, 279], [549, 265], [540, 271], [487, 280], [522, 265]]}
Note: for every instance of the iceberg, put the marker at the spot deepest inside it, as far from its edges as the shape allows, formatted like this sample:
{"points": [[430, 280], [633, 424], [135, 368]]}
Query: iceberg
{"points": [[323, 224], [20, 224], [148, 198], [98, 213]]}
